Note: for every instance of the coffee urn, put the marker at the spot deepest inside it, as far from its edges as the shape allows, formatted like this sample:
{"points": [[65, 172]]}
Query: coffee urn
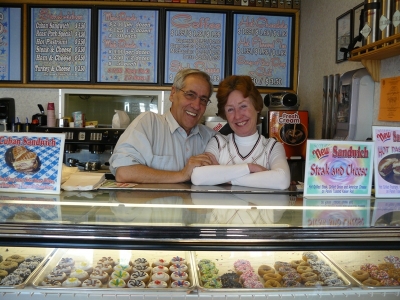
{"points": [[370, 30], [385, 23]]}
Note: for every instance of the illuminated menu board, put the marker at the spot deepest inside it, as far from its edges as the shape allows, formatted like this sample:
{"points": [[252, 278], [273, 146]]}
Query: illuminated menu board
{"points": [[127, 46], [60, 40], [10, 43], [262, 49], [195, 40]]}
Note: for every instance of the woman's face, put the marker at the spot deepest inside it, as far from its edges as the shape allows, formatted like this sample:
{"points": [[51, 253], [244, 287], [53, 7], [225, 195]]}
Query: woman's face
{"points": [[241, 114]]}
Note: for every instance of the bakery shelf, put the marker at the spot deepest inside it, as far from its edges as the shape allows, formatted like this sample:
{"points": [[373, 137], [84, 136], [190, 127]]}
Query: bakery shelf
{"points": [[371, 54]]}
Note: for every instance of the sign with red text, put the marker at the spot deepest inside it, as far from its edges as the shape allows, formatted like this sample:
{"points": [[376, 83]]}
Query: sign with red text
{"points": [[127, 46], [387, 161], [31, 162], [195, 40], [338, 168]]}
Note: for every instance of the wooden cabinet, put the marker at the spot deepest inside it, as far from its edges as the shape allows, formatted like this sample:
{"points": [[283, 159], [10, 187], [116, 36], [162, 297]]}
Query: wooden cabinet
{"points": [[372, 54]]}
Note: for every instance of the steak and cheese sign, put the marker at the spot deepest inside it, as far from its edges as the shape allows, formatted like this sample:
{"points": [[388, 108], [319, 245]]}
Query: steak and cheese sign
{"points": [[31, 162], [338, 168]]}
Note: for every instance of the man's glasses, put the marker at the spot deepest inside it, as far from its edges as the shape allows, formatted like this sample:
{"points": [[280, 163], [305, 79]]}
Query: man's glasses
{"points": [[191, 96]]}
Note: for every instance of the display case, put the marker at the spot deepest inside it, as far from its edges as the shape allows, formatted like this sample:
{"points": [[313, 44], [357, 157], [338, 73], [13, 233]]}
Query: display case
{"points": [[220, 223]]}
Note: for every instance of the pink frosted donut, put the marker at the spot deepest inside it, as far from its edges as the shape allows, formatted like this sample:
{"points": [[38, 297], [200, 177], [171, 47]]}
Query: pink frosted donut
{"points": [[241, 262], [253, 284], [249, 275], [379, 274], [368, 267]]}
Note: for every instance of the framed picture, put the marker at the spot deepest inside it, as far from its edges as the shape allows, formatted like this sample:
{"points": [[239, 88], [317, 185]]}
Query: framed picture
{"points": [[344, 34], [356, 22]]}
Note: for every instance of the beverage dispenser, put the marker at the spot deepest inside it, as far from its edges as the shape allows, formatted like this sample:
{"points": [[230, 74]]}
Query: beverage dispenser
{"points": [[354, 106]]}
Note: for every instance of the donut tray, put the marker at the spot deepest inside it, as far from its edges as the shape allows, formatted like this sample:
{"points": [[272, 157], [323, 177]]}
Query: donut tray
{"points": [[26, 252], [350, 261], [225, 263], [92, 256]]}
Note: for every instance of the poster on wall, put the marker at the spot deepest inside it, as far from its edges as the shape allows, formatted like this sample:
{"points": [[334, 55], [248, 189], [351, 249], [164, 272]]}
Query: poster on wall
{"points": [[262, 49], [387, 161], [195, 40], [127, 46], [10, 43], [31, 162], [338, 168], [60, 44]]}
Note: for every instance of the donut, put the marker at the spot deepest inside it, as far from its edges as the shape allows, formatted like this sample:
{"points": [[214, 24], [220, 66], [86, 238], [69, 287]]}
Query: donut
{"points": [[303, 269], [279, 264], [360, 275], [309, 276], [334, 282], [8, 266], [309, 256], [272, 284], [3, 273], [390, 282], [11, 279], [314, 283], [17, 258], [291, 276], [37, 258], [291, 283], [285, 270], [23, 272], [264, 269], [385, 266], [394, 273], [327, 275], [272, 276], [368, 267], [295, 263], [371, 282], [379, 275], [248, 276], [253, 284], [213, 283]]}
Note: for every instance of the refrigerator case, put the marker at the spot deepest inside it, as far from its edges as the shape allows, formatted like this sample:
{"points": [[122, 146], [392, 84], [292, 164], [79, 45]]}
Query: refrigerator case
{"points": [[290, 127]]}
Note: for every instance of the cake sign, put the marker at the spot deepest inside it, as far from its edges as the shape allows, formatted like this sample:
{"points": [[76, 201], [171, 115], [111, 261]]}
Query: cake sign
{"points": [[338, 168]]}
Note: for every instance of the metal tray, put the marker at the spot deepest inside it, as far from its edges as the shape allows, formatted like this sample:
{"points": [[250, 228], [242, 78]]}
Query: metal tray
{"points": [[91, 256], [225, 260], [350, 261], [26, 252]]}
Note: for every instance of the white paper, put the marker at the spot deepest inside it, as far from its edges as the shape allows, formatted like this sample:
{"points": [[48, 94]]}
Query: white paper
{"points": [[83, 181]]}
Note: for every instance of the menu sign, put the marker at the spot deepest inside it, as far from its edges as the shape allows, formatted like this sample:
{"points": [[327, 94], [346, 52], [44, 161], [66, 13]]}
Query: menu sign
{"points": [[60, 39], [10, 43], [387, 161], [338, 168], [31, 162], [262, 49], [127, 46], [195, 40]]}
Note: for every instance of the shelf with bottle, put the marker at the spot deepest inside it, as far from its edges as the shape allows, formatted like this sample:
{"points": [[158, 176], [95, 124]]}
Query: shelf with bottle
{"points": [[371, 55]]}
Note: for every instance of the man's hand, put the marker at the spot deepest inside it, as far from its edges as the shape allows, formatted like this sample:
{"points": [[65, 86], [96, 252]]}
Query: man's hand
{"points": [[254, 168], [196, 161]]}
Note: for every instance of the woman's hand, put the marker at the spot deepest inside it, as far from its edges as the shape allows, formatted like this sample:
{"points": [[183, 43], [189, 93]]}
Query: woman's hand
{"points": [[254, 168]]}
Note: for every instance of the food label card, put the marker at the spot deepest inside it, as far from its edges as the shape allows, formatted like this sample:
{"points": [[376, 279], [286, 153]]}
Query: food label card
{"points": [[31, 162], [387, 161], [338, 168], [386, 213]]}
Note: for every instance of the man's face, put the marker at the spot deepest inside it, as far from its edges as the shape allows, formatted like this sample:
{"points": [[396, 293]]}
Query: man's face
{"points": [[189, 112]]}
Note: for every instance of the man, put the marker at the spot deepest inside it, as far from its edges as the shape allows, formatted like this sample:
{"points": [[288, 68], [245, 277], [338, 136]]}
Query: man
{"points": [[166, 148]]}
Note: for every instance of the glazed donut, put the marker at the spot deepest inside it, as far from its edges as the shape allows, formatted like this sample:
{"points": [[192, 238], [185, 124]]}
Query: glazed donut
{"points": [[303, 269], [272, 284], [385, 266], [309, 276], [314, 283], [394, 273], [296, 263], [264, 269], [371, 282], [360, 275], [17, 258], [272, 276]]}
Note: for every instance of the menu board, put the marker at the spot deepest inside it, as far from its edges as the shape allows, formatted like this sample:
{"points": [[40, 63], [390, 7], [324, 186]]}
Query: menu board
{"points": [[10, 43], [31, 162], [387, 161], [195, 40], [262, 49], [338, 168], [127, 46], [60, 40]]}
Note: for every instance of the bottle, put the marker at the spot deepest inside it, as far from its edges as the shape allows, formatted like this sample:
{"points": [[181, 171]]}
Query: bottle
{"points": [[51, 115]]}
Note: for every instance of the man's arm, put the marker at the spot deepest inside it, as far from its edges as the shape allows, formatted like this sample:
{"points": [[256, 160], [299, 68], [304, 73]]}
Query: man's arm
{"points": [[144, 174]]}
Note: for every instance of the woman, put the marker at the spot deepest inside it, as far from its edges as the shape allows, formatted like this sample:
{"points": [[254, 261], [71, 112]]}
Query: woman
{"points": [[243, 157]]}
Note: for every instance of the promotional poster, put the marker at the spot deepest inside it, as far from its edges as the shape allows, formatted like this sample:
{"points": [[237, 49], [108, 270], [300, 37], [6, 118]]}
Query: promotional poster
{"points": [[31, 162], [387, 161], [338, 168]]}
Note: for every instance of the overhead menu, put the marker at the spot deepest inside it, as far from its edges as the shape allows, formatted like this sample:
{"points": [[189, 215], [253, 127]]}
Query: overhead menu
{"points": [[60, 39], [10, 43], [195, 40], [128, 46], [262, 47]]}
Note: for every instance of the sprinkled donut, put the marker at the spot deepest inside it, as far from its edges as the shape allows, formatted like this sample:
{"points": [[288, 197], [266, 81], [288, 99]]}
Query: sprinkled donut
{"points": [[291, 283], [291, 276], [285, 270]]}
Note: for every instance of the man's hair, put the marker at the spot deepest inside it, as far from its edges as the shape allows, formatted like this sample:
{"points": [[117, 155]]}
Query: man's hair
{"points": [[180, 77]]}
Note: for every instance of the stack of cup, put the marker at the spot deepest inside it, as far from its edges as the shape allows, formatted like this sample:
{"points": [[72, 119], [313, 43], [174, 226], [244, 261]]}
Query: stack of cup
{"points": [[51, 115]]}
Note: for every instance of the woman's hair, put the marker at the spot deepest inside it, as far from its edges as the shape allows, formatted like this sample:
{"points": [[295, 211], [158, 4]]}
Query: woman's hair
{"points": [[180, 77], [245, 85]]}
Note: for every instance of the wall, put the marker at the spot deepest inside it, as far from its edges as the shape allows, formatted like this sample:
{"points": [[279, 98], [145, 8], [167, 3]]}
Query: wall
{"points": [[317, 58]]}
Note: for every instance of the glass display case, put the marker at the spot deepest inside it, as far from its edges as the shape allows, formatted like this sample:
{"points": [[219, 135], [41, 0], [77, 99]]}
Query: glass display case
{"points": [[222, 224]]}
